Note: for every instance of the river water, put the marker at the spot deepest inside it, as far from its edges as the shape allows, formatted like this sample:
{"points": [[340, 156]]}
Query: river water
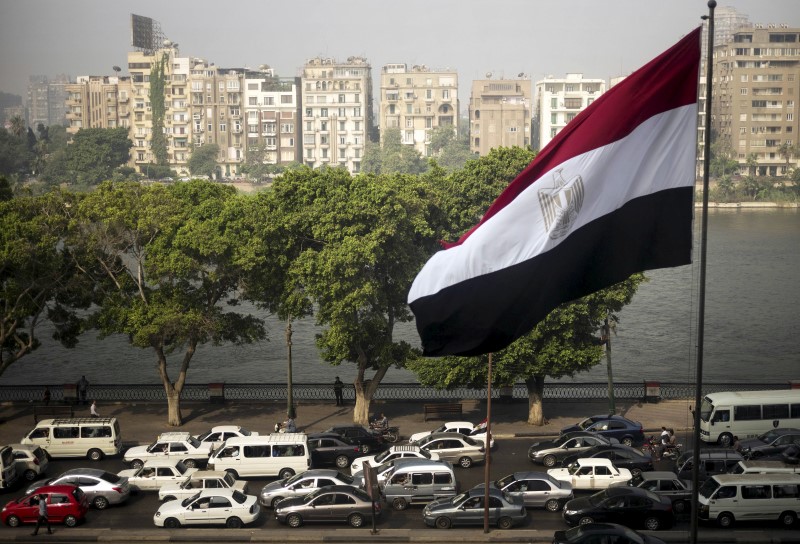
{"points": [[751, 334]]}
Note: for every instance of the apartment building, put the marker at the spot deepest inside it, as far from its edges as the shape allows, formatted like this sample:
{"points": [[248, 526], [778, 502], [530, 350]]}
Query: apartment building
{"points": [[755, 93], [558, 101], [98, 102], [500, 114], [272, 117], [46, 100], [336, 101], [416, 100]]}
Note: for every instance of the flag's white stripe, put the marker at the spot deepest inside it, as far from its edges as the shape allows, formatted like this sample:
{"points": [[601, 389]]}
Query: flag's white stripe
{"points": [[658, 155]]}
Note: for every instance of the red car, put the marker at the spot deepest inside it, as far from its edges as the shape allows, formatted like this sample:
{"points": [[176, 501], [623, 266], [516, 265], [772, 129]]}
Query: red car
{"points": [[66, 504]]}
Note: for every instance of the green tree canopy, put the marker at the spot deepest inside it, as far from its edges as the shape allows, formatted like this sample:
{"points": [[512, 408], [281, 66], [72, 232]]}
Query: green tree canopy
{"points": [[95, 153], [203, 161]]}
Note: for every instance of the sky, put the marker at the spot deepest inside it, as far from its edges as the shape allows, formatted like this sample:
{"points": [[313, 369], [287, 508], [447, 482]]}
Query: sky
{"points": [[598, 38]]}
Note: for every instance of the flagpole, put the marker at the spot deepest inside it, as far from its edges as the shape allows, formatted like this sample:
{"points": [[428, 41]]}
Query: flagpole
{"points": [[488, 445], [702, 291]]}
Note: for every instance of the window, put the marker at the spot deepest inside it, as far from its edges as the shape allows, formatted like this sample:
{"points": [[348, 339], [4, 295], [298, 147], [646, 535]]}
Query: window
{"points": [[287, 128], [357, 112], [287, 99], [341, 99], [65, 432], [222, 127], [342, 112], [257, 451], [743, 91], [756, 492], [747, 413], [553, 103], [775, 411], [573, 103], [323, 112]]}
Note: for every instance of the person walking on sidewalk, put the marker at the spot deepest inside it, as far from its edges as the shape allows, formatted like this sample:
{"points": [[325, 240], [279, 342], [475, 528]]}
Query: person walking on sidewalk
{"points": [[338, 386], [42, 519], [83, 386], [93, 409]]}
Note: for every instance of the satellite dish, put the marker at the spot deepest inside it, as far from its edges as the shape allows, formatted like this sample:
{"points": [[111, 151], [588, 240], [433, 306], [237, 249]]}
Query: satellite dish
{"points": [[488, 75], [167, 43], [521, 74], [116, 69]]}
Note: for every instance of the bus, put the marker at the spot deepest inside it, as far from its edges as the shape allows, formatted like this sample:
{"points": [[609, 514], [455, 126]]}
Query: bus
{"points": [[747, 413]]}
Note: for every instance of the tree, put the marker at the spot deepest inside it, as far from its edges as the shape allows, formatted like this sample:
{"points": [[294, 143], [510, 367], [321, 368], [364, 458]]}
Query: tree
{"points": [[723, 159], [564, 343], [788, 151], [95, 152], [451, 150], [392, 156], [158, 142], [14, 155], [359, 243], [167, 262], [203, 161], [17, 126], [37, 275]]}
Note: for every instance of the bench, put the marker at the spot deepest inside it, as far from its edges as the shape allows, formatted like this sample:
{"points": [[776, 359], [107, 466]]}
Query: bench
{"points": [[441, 410], [58, 410]]}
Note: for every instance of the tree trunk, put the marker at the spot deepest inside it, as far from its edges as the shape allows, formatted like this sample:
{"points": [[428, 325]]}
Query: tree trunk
{"points": [[174, 417], [365, 390], [361, 410], [173, 390], [535, 386]]}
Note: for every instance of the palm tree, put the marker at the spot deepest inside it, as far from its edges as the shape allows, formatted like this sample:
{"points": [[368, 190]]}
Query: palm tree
{"points": [[17, 126], [787, 151]]}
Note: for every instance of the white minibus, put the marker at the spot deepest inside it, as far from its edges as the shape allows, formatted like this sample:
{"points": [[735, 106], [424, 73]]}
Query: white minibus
{"points": [[727, 498], [93, 437], [747, 413], [282, 455]]}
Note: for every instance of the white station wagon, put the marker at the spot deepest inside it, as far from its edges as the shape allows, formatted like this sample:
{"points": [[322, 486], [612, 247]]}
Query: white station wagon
{"points": [[591, 473], [155, 473], [202, 479]]}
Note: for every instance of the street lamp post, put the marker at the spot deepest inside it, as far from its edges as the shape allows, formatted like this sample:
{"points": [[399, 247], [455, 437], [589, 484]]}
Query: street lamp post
{"points": [[289, 397]]}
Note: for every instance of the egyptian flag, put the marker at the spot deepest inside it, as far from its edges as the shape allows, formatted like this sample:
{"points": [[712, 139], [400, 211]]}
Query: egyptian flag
{"points": [[611, 195]]}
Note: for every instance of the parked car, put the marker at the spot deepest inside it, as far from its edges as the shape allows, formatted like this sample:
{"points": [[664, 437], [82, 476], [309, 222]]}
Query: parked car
{"points": [[219, 434], [624, 505], [331, 449], [301, 484], [369, 441], [772, 442], [333, 503], [30, 460], [467, 508], [590, 474], [202, 479], [454, 447], [402, 451], [536, 489], [620, 455], [474, 431], [551, 452], [665, 484], [66, 504], [155, 473], [595, 533], [101, 488], [226, 507], [177, 446], [611, 425]]}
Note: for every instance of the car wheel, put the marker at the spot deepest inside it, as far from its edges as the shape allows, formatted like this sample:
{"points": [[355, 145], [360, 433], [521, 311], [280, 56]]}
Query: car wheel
{"points": [[504, 523], [169, 498], [553, 505], [342, 461], [137, 463], [234, 523], [585, 520], [294, 520], [628, 441], [399, 503], [365, 448], [285, 473], [190, 463], [549, 460], [101, 503], [233, 473], [636, 472], [70, 521], [355, 520], [652, 523], [275, 501], [725, 519], [443, 523], [725, 440], [30, 475], [171, 523], [788, 518], [95, 454], [465, 462], [391, 437], [12, 521], [679, 507]]}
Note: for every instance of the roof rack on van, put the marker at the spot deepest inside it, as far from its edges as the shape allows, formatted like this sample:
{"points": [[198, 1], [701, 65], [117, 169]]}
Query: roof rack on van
{"points": [[82, 420]]}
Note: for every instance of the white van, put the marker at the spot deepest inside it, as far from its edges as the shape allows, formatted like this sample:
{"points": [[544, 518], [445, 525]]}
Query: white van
{"points": [[415, 481], [77, 437], [726, 498], [764, 467], [8, 467], [282, 455]]}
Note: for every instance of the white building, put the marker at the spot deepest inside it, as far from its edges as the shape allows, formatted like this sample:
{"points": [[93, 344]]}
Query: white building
{"points": [[558, 101]]}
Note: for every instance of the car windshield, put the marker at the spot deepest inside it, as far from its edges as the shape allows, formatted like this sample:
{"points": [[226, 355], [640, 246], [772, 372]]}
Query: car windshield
{"points": [[194, 442], [586, 423], [503, 482], [190, 500], [203, 436], [181, 467], [229, 479], [244, 432], [346, 478], [598, 498], [636, 480], [311, 496], [705, 409], [381, 457], [239, 497], [769, 437], [708, 488], [293, 479], [470, 441], [110, 478], [440, 429], [458, 499]]}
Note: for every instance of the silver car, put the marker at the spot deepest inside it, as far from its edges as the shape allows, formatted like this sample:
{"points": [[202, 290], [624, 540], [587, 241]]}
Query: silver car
{"points": [[31, 460], [101, 488], [535, 489], [454, 447], [300, 485]]}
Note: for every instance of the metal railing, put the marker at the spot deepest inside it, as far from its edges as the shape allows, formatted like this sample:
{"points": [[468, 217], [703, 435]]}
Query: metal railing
{"points": [[312, 392]]}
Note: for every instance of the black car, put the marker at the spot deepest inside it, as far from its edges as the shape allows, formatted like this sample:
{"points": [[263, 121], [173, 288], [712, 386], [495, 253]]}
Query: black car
{"points": [[621, 456], [369, 441], [771, 442], [332, 449], [611, 425], [551, 452], [666, 484], [625, 505], [593, 533]]}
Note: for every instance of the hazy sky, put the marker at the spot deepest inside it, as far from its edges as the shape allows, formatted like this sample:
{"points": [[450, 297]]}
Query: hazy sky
{"points": [[599, 38]]}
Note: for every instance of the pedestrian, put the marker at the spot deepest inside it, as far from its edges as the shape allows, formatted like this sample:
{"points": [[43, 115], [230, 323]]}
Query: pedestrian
{"points": [[338, 386], [83, 386], [737, 446], [42, 519], [93, 409], [46, 396]]}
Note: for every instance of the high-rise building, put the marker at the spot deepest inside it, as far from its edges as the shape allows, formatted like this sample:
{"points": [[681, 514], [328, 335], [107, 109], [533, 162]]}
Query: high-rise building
{"points": [[98, 102], [336, 103], [500, 114], [38, 101], [558, 101], [417, 100], [755, 94]]}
